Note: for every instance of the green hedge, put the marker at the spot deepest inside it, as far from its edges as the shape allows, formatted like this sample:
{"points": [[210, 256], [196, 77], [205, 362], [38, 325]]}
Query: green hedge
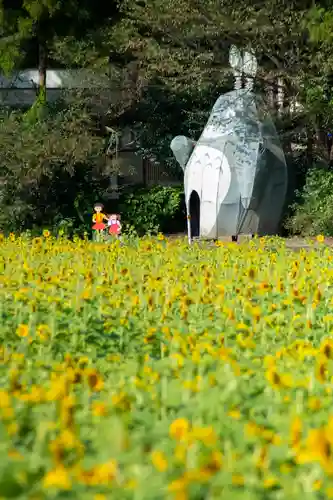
{"points": [[313, 212], [143, 210], [154, 209]]}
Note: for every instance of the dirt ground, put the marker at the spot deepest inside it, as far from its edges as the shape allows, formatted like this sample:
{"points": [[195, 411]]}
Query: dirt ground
{"points": [[295, 243]]}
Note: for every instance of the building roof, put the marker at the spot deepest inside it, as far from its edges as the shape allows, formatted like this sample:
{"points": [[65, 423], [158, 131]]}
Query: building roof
{"points": [[19, 89], [55, 79]]}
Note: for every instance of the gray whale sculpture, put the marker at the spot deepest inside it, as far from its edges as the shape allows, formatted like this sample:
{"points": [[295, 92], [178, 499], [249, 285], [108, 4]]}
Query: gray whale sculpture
{"points": [[235, 176]]}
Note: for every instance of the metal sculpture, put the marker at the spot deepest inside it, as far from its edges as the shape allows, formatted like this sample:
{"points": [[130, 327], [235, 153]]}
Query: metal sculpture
{"points": [[235, 176]]}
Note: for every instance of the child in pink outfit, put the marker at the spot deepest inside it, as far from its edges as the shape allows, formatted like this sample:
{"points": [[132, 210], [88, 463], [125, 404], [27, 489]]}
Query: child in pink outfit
{"points": [[114, 225]]}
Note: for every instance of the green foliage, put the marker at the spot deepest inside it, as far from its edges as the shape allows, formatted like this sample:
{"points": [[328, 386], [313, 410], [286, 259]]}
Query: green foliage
{"points": [[150, 210], [171, 57], [163, 112], [319, 23], [186, 44], [46, 165], [185, 38], [313, 213], [39, 32]]}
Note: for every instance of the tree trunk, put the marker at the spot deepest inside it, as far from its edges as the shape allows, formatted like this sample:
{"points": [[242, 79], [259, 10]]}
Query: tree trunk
{"points": [[269, 90], [280, 96], [287, 115], [145, 172], [309, 146], [321, 140], [42, 67]]}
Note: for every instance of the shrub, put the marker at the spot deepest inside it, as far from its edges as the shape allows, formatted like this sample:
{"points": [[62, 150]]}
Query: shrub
{"points": [[46, 166], [313, 212], [154, 209]]}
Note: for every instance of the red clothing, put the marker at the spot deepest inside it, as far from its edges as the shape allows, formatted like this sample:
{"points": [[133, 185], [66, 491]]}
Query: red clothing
{"points": [[99, 226], [114, 227], [98, 218]]}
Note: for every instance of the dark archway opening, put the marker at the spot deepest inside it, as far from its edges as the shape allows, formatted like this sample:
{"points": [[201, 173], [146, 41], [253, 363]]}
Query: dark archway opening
{"points": [[195, 214]]}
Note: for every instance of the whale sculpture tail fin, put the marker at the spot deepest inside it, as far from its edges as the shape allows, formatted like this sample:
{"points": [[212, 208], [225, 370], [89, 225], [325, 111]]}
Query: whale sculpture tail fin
{"points": [[182, 148]]}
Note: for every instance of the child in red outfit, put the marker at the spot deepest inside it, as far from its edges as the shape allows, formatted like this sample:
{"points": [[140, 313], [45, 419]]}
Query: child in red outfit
{"points": [[98, 217], [114, 225]]}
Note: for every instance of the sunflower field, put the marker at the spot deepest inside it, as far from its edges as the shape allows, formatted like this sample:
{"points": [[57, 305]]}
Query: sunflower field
{"points": [[157, 370]]}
